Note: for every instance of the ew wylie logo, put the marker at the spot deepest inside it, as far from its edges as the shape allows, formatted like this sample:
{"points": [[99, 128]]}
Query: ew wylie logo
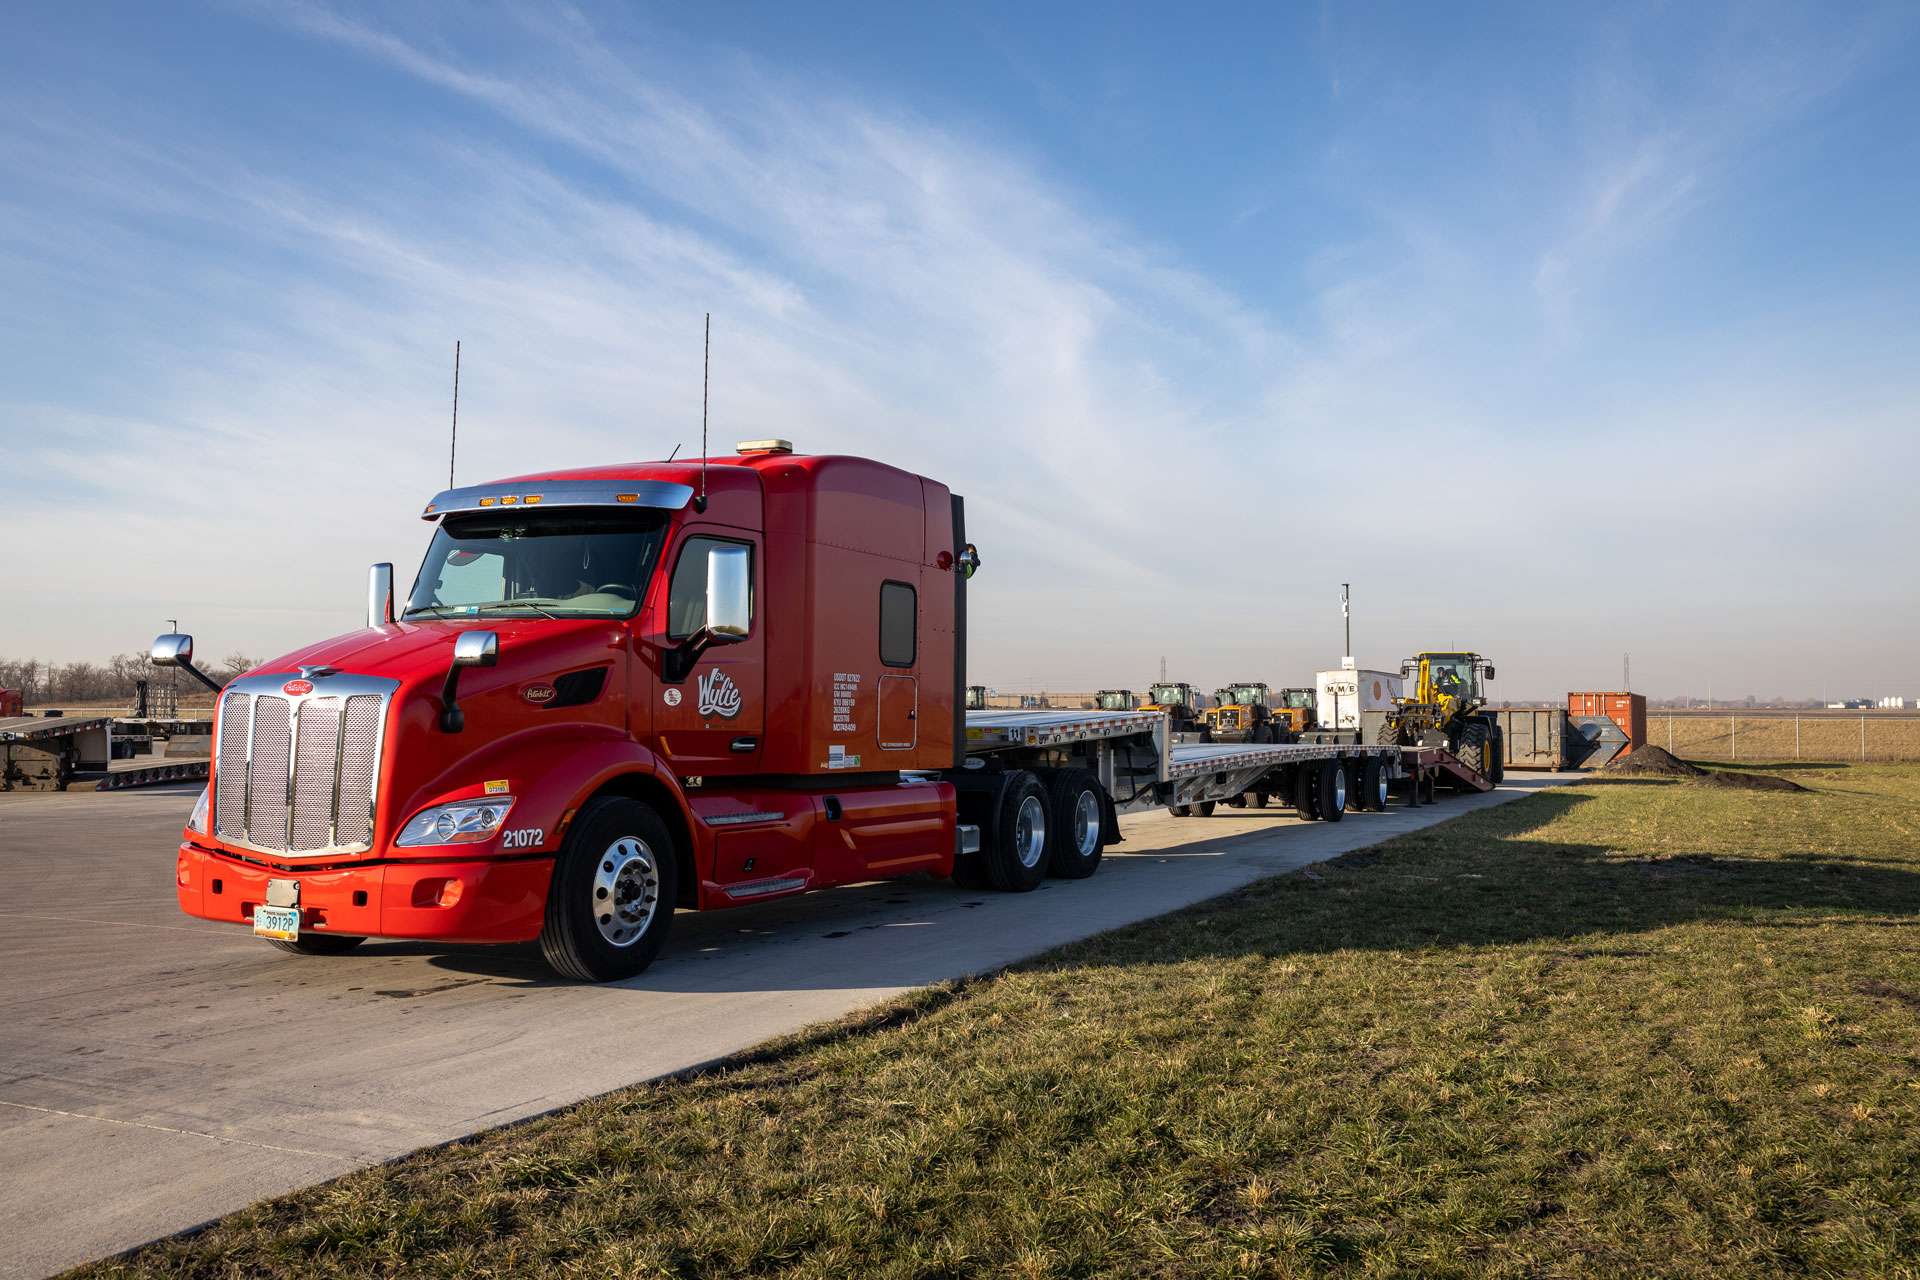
{"points": [[719, 695]]}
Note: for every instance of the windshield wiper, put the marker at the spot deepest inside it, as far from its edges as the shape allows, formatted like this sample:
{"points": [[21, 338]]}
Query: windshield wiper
{"points": [[438, 610], [516, 604]]}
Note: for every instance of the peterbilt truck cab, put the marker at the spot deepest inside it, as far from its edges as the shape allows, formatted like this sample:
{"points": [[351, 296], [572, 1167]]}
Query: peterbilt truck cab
{"points": [[607, 693]]}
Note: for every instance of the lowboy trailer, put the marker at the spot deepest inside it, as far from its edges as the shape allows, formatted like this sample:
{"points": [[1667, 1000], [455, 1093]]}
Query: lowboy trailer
{"points": [[617, 691]]}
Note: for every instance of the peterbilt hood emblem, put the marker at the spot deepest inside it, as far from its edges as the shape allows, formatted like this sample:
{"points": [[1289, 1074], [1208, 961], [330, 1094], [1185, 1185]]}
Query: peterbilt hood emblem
{"points": [[719, 695], [297, 688]]}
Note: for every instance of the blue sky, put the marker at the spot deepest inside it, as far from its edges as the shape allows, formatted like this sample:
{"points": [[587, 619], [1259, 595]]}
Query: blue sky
{"points": [[1559, 333]]}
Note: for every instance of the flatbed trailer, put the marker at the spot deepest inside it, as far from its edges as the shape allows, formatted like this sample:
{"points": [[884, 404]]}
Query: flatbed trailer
{"points": [[1142, 764]]}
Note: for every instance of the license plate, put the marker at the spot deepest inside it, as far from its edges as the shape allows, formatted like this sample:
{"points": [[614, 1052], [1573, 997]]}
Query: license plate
{"points": [[277, 922]]}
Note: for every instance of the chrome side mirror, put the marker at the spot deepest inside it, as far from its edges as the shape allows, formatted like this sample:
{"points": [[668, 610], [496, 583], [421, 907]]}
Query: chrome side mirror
{"points": [[379, 595], [171, 650], [476, 649], [176, 650], [470, 649], [729, 593]]}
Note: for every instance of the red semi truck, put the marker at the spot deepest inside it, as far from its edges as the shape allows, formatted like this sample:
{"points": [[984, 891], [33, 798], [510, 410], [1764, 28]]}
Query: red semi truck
{"points": [[617, 691]]}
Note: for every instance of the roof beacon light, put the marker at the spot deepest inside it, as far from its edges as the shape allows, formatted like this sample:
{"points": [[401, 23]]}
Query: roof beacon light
{"points": [[764, 446]]}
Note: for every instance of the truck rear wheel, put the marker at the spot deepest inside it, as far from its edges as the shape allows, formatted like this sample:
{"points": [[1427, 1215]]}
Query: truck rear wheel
{"points": [[1015, 847], [319, 944], [1076, 836], [610, 903], [1333, 790]]}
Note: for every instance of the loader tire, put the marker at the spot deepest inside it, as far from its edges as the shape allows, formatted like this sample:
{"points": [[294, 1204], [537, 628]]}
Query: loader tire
{"points": [[1075, 837], [1470, 748], [610, 902], [1014, 848]]}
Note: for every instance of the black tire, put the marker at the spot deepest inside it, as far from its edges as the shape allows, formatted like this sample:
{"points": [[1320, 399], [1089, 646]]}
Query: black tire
{"points": [[1470, 745], [1305, 789], [1076, 834], [319, 944], [1256, 799], [610, 903], [1497, 756], [1204, 808], [1262, 733], [1236, 802], [1373, 785], [1015, 853], [1333, 790], [1180, 810]]}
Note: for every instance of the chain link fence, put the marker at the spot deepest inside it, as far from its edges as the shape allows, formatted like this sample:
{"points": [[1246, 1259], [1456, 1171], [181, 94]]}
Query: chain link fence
{"points": [[1785, 736]]}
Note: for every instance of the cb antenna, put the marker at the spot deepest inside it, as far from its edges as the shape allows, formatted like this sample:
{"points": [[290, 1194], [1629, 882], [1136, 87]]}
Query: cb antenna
{"points": [[706, 372], [454, 442]]}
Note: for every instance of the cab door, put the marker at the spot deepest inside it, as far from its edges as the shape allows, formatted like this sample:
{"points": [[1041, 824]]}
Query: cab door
{"points": [[711, 722]]}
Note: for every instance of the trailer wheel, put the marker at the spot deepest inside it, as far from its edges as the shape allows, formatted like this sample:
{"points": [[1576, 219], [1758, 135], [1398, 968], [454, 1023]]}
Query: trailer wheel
{"points": [[1256, 799], [1015, 847], [1333, 790], [1205, 808], [610, 903], [319, 944], [1305, 778], [1180, 810], [1373, 785], [1074, 838]]}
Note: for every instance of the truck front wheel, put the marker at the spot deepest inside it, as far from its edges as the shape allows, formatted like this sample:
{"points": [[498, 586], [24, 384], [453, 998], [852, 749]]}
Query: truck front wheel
{"points": [[610, 903]]}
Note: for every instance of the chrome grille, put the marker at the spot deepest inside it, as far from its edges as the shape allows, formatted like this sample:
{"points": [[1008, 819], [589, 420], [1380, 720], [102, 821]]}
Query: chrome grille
{"points": [[296, 774]]}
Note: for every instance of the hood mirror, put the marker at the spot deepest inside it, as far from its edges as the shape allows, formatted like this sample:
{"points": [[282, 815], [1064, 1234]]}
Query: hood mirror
{"points": [[176, 650], [379, 595], [470, 649]]}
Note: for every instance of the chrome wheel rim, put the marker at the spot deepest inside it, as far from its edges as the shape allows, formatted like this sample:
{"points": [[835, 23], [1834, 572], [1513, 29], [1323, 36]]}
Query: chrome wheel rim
{"points": [[626, 891], [1086, 824], [1339, 788], [1380, 801], [1030, 832]]}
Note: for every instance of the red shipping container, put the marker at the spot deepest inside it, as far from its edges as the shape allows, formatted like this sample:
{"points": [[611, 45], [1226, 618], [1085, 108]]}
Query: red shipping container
{"points": [[1628, 710]]}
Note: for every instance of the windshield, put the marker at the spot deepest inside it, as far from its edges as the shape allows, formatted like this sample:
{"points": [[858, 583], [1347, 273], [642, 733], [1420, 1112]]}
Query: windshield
{"points": [[1111, 700], [1452, 674], [1169, 694], [1302, 698], [560, 564]]}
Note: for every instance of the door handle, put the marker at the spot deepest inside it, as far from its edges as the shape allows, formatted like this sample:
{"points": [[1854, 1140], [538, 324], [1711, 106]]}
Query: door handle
{"points": [[744, 745]]}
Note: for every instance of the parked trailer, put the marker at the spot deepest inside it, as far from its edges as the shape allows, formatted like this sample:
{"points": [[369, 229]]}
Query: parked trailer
{"points": [[48, 753], [616, 691]]}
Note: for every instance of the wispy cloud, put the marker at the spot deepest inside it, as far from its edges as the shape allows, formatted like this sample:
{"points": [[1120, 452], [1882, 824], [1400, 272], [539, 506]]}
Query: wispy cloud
{"points": [[1154, 462]]}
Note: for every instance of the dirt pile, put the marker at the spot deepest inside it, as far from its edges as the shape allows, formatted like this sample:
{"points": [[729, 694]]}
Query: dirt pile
{"points": [[1750, 782], [1652, 762]]}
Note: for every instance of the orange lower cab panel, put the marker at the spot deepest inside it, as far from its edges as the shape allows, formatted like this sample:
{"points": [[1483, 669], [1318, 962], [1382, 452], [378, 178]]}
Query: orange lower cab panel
{"points": [[485, 900]]}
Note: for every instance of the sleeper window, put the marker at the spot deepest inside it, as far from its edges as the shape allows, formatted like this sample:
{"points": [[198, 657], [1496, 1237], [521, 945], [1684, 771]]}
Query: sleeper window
{"points": [[899, 624]]}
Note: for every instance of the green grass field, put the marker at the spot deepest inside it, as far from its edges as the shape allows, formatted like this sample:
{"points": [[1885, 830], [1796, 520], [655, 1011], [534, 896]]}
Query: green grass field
{"points": [[1623, 1028]]}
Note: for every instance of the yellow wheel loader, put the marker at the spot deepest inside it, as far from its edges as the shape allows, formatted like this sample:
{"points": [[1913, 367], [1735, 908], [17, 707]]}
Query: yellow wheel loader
{"points": [[1240, 714], [1181, 705], [1444, 709]]}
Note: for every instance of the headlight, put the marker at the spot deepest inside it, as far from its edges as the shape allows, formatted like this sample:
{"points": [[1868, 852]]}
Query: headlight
{"points": [[462, 822], [197, 820]]}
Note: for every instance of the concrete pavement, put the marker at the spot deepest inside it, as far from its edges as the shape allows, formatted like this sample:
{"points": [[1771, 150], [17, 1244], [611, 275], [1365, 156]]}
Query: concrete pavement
{"points": [[157, 1071]]}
